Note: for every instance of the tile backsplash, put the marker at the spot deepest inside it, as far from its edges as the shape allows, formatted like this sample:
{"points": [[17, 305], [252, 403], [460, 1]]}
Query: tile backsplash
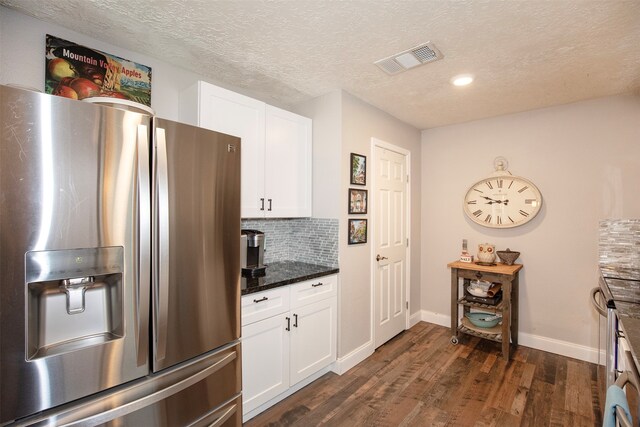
{"points": [[312, 240], [619, 243]]}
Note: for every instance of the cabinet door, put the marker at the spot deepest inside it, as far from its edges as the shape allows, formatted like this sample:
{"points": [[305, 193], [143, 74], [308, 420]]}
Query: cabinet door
{"points": [[313, 340], [265, 361], [287, 164], [234, 114]]}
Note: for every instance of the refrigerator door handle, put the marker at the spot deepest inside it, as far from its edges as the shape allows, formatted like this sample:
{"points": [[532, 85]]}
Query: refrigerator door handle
{"points": [[162, 261], [216, 417], [72, 416], [141, 305]]}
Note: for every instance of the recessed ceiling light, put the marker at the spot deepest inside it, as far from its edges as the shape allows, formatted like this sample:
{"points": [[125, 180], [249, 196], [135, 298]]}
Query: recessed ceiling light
{"points": [[462, 80]]}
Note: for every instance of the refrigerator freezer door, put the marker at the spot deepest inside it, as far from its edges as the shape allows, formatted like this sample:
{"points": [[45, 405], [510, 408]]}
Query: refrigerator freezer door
{"points": [[73, 298], [202, 392], [196, 290]]}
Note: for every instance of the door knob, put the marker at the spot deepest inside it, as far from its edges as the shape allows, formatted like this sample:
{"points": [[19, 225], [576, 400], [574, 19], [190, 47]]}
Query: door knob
{"points": [[378, 257]]}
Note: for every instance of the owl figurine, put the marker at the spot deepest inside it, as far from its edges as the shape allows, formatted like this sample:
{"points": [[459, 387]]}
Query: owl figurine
{"points": [[486, 253]]}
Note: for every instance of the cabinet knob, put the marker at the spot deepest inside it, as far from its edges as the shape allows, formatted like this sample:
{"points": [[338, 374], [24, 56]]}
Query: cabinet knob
{"points": [[260, 300], [262, 203], [315, 285], [269, 200], [479, 275]]}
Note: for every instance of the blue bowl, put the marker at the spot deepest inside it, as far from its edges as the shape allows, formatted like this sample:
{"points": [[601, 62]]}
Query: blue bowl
{"points": [[478, 319]]}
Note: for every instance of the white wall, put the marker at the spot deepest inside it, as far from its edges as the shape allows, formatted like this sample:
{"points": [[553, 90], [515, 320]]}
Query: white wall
{"points": [[361, 122], [584, 158], [22, 61]]}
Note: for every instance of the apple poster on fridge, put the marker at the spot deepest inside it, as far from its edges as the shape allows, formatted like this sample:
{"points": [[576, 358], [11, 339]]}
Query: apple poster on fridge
{"points": [[79, 72]]}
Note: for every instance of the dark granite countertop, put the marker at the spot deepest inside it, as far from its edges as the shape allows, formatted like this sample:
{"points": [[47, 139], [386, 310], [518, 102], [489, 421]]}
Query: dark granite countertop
{"points": [[284, 273], [625, 290], [619, 272], [629, 319]]}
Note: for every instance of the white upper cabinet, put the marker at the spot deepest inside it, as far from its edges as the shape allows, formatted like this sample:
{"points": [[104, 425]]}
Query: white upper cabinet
{"points": [[287, 164], [276, 148]]}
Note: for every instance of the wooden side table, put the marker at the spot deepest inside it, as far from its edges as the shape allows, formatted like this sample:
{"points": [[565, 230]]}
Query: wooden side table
{"points": [[507, 275]]}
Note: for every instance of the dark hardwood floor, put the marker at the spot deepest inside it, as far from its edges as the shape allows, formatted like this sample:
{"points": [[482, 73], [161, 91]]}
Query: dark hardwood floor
{"points": [[420, 379]]}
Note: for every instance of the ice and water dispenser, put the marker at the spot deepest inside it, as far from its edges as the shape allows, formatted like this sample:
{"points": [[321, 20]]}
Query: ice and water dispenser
{"points": [[74, 299]]}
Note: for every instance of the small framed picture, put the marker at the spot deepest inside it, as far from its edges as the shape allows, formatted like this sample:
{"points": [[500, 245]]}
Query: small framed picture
{"points": [[357, 201], [357, 231], [358, 169]]}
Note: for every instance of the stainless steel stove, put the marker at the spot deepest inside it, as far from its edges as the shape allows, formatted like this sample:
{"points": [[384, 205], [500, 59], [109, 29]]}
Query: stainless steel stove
{"points": [[620, 291]]}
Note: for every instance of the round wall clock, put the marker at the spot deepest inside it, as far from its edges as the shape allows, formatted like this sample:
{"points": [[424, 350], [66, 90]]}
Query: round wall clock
{"points": [[502, 200]]}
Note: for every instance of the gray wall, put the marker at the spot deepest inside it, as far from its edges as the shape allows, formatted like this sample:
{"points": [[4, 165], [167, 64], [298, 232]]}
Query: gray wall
{"points": [[360, 123], [584, 158], [343, 124]]}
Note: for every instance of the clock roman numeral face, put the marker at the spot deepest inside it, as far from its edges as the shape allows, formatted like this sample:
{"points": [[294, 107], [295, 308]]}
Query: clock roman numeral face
{"points": [[502, 201]]}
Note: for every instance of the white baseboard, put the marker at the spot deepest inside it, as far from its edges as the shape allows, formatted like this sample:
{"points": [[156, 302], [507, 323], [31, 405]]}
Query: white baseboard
{"points": [[563, 348], [415, 318], [552, 345], [436, 318], [344, 363]]}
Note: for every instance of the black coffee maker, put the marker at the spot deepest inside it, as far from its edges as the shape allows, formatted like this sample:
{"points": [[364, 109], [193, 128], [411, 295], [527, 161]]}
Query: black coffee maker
{"points": [[252, 253]]}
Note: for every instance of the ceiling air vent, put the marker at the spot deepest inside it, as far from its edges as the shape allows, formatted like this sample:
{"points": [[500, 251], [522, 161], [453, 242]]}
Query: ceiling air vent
{"points": [[410, 58]]}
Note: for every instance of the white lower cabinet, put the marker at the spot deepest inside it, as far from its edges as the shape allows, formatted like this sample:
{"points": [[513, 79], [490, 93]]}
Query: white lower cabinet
{"points": [[265, 361], [281, 350], [313, 340]]}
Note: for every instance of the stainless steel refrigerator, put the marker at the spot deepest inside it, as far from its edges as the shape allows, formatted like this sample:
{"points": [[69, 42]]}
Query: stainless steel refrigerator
{"points": [[119, 267]]}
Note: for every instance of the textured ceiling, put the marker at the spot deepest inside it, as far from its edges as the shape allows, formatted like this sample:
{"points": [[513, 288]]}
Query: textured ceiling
{"points": [[524, 54]]}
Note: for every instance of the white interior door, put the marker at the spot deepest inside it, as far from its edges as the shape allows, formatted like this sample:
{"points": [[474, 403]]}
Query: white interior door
{"points": [[390, 243]]}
